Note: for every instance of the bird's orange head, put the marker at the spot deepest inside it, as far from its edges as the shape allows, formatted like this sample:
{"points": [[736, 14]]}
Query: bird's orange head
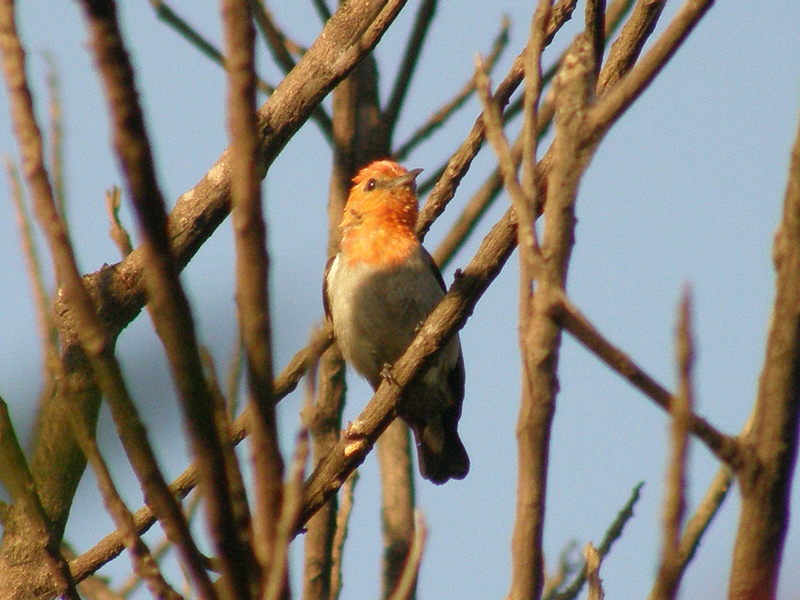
{"points": [[380, 215]]}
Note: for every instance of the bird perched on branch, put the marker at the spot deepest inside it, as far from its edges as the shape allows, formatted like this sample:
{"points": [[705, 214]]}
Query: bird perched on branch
{"points": [[377, 291]]}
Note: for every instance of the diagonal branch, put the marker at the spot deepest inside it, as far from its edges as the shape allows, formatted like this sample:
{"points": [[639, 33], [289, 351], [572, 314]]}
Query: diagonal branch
{"points": [[622, 95], [171, 18], [408, 65], [110, 546], [725, 447], [451, 314], [440, 115]]}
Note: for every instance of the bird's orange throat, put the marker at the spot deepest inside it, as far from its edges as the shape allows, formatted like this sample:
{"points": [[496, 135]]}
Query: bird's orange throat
{"points": [[378, 227], [382, 246]]}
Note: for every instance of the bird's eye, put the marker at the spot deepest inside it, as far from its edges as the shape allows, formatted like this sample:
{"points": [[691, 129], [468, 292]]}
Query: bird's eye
{"points": [[370, 185]]}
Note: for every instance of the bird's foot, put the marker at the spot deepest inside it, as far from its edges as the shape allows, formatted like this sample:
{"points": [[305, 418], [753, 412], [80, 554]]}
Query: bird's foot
{"points": [[386, 373]]}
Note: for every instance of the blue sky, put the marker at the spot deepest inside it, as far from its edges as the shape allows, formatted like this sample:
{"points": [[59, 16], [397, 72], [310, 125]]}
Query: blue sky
{"points": [[687, 188]]}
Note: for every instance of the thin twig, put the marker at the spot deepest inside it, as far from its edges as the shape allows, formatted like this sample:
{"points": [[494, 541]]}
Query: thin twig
{"points": [[614, 103], [171, 18], [522, 203], [460, 161], [595, 30], [159, 550], [408, 578], [117, 232], [340, 536], [669, 570], [440, 116], [405, 71], [324, 418], [235, 481], [627, 47], [277, 43], [48, 335], [56, 135], [613, 18], [292, 501], [613, 533], [144, 565], [707, 509], [110, 546], [566, 566], [593, 560]]}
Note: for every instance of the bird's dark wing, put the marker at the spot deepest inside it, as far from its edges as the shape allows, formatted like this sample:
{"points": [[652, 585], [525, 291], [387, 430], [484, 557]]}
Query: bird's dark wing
{"points": [[432, 264], [325, 302]]}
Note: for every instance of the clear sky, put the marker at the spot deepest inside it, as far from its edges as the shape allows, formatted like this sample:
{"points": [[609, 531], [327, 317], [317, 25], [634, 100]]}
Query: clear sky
{"points": [[687, 188]]}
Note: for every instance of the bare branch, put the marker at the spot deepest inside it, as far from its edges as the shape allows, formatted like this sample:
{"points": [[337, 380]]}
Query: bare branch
{"points": [[725, 447], [522, 203], [167, 301], [627, 47], [542, 337], [771, 443], [397, 507], [171, 18], [347, 37], [707, 509], [252, 272], [110, 546], [290, 510], [56, 135], [92, 336], [595, 30], [324, 418], [593, 572], [276, 40]]}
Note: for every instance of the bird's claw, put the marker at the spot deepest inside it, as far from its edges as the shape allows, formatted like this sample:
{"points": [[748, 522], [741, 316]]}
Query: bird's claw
{"points": [[386, 373]]}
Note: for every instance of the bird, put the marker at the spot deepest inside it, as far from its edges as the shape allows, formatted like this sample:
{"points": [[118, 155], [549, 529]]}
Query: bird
{"points": [[377, 291]]}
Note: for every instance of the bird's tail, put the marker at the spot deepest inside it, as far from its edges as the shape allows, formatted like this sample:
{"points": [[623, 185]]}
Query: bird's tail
{"points": [[440, 452]]}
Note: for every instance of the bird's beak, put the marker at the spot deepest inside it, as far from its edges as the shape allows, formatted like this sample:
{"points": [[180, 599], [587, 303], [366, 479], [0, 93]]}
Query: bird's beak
{"points": [[407, 179]]}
